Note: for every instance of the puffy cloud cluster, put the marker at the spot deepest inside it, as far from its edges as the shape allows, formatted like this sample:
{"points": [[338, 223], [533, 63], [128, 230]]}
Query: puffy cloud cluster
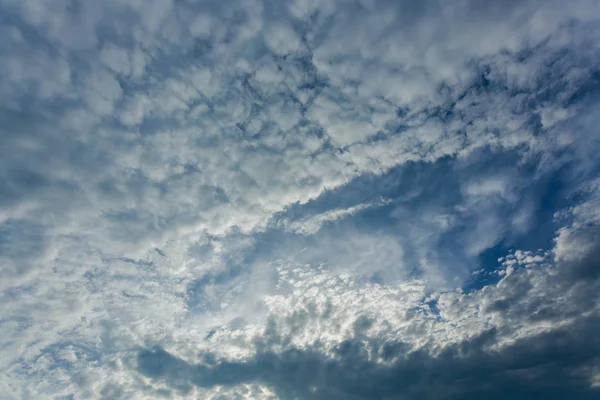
{"points": [[182, 176], [329, 336]]}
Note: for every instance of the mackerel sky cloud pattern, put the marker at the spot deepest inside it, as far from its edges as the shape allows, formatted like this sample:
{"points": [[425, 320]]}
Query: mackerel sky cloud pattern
{"points": [[299, 199]]}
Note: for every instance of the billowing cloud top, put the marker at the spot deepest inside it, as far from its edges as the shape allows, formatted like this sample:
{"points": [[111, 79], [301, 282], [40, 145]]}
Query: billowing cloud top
{"points": [[307, 199]]}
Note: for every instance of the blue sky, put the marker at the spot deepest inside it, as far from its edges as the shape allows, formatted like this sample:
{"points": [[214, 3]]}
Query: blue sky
{"points": [[299, 199]]}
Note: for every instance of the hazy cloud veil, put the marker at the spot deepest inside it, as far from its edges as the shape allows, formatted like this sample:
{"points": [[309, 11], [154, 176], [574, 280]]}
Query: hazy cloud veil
{"points": [[299, 199]]}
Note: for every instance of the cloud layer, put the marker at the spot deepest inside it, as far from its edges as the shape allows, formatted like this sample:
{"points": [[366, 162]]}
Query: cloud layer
{"points": [[299, 199]]}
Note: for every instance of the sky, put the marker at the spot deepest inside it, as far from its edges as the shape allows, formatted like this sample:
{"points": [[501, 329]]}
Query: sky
{"points": [[299, 199]]}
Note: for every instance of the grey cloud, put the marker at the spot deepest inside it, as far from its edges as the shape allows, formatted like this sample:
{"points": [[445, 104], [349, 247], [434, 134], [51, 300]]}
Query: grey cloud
{"points": [[545, 366]]}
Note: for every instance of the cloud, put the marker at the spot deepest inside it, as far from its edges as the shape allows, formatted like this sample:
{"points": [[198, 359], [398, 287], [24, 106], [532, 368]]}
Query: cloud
{"points": [[176, 174], [531, 334], [327, 335], [307, 374], [312, 224]]}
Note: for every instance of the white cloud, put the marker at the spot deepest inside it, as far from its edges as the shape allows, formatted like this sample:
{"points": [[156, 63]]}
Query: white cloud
{"points": [[281, 39], [314, 309], [145, 143], [312, 224], [123, 61]]}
